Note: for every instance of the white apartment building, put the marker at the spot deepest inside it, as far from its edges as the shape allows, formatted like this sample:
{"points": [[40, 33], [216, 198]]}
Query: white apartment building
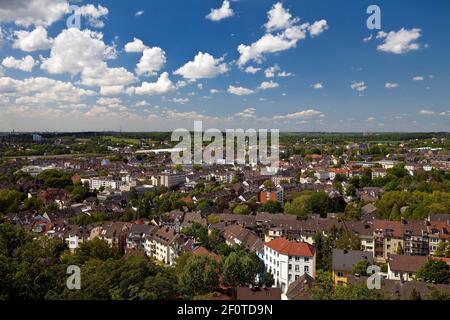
{"points": [[73, 242], [162, 245], [168, 180], [289, 260], [367, 243], [106, 182]]}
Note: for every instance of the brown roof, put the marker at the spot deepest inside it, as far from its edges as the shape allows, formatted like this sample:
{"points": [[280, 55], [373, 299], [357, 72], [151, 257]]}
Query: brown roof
{"points": [[239, 218], [298, 290], [203, 251], [394, 289], [406, 263], [383, 225], [191, 217], [165, 235], [400, 228], [248, 238], [244, 293], [275, 218], [291, 248]]}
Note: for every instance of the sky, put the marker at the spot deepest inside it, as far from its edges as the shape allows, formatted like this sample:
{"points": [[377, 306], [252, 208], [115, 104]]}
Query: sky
{"points": [[158, 65]]}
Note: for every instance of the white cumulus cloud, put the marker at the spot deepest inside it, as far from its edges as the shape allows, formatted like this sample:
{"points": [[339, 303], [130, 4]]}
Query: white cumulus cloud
{"points": [[318, 27], [93, 14], [103, 76], [223, 12], [246, 113], [268, 85], [239, 91], [33, 12], [25, 64], [152, 60], [287, 36], [204, 65], [399, 42], [161, 86], [73, 50], [135, 46], [279, 18], [32, 40], [252, 70]]}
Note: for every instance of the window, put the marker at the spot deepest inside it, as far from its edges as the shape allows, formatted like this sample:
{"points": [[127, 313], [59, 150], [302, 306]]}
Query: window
{"points": [[290, 267], [296, 277], [297, 268], [340, 274], [306, 268], [278, 263], [297, 258], [306, 259]]}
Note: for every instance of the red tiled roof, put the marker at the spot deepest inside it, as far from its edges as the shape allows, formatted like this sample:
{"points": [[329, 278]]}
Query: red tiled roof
{"points": [[291, 248], [202, 250]]}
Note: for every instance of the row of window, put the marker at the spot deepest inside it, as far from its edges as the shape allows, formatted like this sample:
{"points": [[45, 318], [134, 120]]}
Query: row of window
{"points": [[297, 268]]}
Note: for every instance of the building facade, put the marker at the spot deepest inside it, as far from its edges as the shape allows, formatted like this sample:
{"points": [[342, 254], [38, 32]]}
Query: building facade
{"points": [[289, 260]]}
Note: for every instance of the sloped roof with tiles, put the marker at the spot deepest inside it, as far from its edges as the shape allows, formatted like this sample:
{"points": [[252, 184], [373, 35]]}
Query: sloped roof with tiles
{"points": [[291, 248]]}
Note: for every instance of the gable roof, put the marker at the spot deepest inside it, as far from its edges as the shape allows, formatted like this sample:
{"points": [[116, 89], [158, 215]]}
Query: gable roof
{"points": [[291, 248], [248, 238], [406, 263], [298, 290], [343, 260], [244, 293]]}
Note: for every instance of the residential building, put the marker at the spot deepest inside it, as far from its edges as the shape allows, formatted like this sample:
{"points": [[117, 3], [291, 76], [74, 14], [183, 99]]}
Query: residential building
{"points": [[289, 260], [438, 232], [115, 233], [388, 237], [164, 245], [378, 173], [323, 175], [277, 179], [343, 262], [136, 235], [105, 182], [168, 180], [276, 194], [237, 235], [404, 268]]}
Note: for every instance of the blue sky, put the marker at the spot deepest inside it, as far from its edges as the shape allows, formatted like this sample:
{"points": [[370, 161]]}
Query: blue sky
{"points": [[316, 66]]}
